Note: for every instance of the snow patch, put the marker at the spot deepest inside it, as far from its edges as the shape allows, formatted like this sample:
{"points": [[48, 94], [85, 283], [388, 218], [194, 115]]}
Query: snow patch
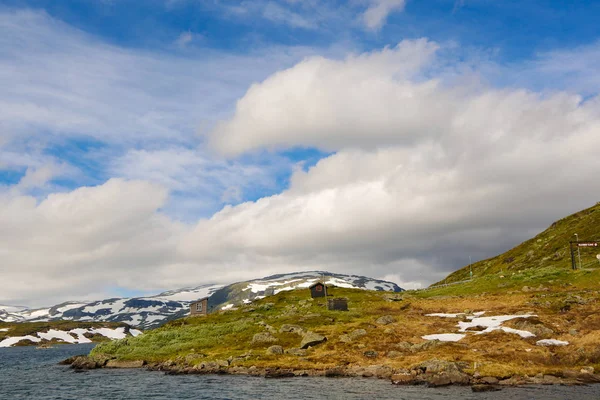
{"points": [[117, 333], [445, 337], [16, 339], [4, 330], [551, 342], [227, 307], [135, 332]]}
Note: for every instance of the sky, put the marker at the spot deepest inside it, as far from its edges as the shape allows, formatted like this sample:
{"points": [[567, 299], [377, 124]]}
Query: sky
{"points": [[153, 145]]}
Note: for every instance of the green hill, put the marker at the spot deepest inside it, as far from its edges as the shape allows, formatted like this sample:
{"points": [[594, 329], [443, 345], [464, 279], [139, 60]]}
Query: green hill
{"points": [[544, 259]]}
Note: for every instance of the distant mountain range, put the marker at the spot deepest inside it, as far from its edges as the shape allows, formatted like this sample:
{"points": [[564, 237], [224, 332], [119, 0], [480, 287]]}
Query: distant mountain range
{"points": [[153, 311]]}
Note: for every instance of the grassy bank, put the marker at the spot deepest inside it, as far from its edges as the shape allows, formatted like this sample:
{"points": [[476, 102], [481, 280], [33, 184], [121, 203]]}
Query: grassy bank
{"points": [[567, 313]]}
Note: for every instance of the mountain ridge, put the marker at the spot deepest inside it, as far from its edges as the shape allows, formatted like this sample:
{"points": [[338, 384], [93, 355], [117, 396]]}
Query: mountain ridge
{"points": [[152, 311]]}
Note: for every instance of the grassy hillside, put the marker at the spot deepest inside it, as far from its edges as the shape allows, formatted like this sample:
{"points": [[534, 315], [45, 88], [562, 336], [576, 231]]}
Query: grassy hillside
{"points": [[361, 338], [544, 258]]}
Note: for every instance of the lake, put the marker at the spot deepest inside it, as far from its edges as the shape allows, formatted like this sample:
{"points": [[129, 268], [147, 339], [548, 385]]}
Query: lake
{"points": [[29, 373]]}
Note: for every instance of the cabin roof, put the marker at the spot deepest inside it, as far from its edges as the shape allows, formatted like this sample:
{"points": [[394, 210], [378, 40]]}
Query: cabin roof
{"points": [[316, 284], [199, 300]]}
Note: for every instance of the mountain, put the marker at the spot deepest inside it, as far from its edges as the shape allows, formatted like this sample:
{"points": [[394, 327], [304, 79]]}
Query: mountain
{"points": [[153, 311], [547, 254]]}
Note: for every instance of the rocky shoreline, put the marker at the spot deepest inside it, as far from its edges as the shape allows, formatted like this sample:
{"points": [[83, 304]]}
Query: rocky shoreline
{"points": [[431, 373]]}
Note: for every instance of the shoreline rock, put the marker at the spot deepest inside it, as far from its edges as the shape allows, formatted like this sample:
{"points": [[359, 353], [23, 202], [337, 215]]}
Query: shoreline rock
{"points": [[432, 373]]}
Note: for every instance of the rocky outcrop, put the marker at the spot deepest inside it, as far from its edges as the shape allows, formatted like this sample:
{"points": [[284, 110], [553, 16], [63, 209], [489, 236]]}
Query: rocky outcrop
{"points": [[312, 339], [263, 337], [291, 329], [275, 350], [385, 320]]}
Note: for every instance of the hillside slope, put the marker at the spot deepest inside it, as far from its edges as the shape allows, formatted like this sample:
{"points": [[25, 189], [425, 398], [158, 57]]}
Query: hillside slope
{"points": [[548, 250], [153, 311]]}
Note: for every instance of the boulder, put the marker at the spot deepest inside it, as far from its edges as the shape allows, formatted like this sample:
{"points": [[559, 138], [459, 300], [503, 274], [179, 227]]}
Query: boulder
{"points": [[484, 388], [385, 320], [291, 329], [430, 344], [263, 337], [296, 352], [357, 333], [402, 379], [275, 350], [371, 354], [279, 373], [125, 364], [311, 339], [489, 380]]}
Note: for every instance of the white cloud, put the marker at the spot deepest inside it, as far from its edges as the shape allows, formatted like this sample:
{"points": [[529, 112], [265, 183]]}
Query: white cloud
{"points": [[184, 39], [377, 13], [425, 171]]}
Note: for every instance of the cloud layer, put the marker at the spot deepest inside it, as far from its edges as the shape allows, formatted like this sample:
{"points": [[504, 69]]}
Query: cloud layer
{"points": [[428, 164]]}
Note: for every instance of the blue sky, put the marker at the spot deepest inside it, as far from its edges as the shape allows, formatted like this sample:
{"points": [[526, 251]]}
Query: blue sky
{"points": [[235, 124], [508, 32]]}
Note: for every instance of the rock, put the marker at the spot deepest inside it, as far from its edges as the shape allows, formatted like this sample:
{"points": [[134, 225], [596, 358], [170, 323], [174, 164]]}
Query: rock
{"points": [[489, 380], [311, 339], [534, 326], [484, 388], [275, 350], [279, 373], [587, 370], [357, 333], [573, 332], [526, 289], [402, 379], [296, 352], [403, 345], [430, 344], [443, 373], [86, 362], [370, 354], [345, 338], [125, 364], [335, 372], [263, 337], [222, 363], [291, 329], [385, 320]]}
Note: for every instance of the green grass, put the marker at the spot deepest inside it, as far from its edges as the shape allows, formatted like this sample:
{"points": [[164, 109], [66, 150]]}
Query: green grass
{"points": [[547, 252]]}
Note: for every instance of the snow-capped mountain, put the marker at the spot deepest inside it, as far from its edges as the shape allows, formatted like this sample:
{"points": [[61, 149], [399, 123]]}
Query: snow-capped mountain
{"points": [[244, 292], [153, 311], [140, 312]]}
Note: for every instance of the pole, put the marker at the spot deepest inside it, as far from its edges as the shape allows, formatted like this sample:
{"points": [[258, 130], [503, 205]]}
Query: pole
{"points": [[573, 262], [578, 250], [470, 269]]}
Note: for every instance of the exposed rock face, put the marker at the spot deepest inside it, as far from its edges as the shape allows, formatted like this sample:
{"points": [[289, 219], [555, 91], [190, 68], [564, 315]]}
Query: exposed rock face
{"points": [[385, 320], [275, 350], [263, 337], [443, 373], [311, 339]]}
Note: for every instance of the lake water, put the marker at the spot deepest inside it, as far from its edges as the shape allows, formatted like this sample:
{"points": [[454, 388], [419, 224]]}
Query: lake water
{"points": [[28, 373]]}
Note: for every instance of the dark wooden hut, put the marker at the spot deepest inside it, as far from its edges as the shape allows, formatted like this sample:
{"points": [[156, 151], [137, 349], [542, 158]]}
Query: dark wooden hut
{"points": [[338, 304], [317, 289], [199, 307]]}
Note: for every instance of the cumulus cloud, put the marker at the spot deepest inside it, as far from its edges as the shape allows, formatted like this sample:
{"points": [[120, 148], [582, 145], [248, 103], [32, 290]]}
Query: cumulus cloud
{"points": [[376, 15], [85, 241], [423, 169]]}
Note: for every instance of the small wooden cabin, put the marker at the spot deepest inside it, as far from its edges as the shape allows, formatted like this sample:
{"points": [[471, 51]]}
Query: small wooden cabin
{"points": [[337, 304], [318, 289], [199, 307]]}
